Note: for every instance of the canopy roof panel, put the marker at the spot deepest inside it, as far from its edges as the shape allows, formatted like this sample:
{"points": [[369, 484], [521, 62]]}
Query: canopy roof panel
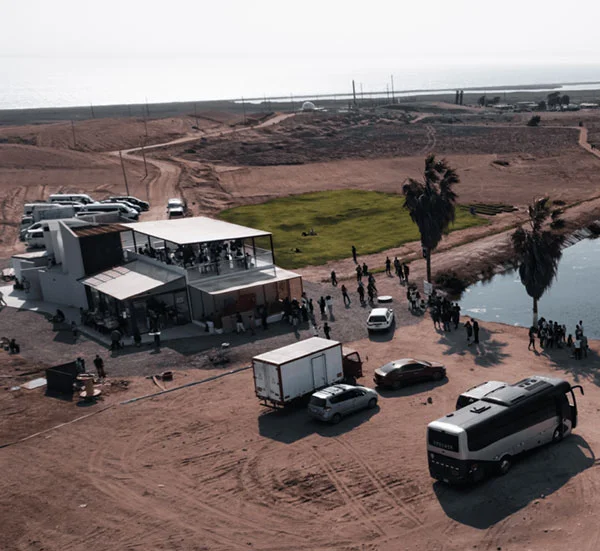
{"points": [[243, 280], [200, 229], [135, 278]]}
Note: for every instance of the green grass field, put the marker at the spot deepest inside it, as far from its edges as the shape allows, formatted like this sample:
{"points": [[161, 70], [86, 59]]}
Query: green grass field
{"points": [[369, 220]]}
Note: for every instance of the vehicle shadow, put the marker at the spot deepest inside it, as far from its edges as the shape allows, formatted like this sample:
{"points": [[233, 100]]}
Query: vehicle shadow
{"points": [[536, 475], [411, 390], [290, 425], [487, 353], [383, 336]]}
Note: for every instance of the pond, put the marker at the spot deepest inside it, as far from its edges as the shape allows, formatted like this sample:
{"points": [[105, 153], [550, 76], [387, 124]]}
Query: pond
{"points": [[574, 295]]}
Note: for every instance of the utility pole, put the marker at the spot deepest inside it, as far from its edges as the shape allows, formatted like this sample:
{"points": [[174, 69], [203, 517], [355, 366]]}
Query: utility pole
{"points": [[392, 76], [124, 174], [354, 93], [92, 108], [73, 130], [143, 155]]}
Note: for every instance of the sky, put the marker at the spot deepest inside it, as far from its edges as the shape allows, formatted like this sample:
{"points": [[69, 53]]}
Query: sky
{"points": [[426, 31]]}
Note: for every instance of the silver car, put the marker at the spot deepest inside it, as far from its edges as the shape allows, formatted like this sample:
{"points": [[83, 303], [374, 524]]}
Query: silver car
{"points": [[334, 402]]}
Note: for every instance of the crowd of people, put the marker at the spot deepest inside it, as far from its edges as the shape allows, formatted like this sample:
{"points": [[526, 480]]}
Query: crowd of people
{"points": [[551, 334]]}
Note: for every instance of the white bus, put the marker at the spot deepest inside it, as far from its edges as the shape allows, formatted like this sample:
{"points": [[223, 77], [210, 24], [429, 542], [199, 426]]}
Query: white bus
{"points": [[484, 437]]}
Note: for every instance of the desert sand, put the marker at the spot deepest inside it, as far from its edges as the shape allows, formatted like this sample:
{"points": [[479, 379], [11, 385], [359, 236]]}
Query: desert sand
{"points": [[209, 468]]}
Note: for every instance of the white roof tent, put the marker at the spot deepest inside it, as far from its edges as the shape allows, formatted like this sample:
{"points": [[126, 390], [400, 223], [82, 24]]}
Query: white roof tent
{"points": [[200, 229], [130, 280], [244, 280]]}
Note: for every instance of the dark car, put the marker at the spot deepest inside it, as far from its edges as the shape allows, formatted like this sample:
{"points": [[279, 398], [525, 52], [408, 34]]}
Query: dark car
{"points": [[408, 371], [144, 205]]}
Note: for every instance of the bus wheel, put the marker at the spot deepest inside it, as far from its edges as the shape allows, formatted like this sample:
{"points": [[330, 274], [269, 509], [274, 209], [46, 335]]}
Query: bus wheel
{"points": [[558, 434], [504, 464]]}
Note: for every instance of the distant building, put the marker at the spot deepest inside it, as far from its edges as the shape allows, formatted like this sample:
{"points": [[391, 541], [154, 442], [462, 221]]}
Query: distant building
{"points": [[588, 105]]}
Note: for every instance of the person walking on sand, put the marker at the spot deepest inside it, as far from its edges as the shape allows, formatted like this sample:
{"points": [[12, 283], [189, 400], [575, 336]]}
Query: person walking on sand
{"points": [[469, 330], [475, 331], [99, 365], [532, 332], [388, 266], [345, 296], [326, 330], [239, 323], [334, 280], [365, 269], [359, 274], [354, 254], [311, 308]]}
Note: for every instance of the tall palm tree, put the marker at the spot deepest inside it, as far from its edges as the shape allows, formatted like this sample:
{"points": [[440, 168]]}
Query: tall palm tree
{"points": [[431, 203], [538, 251]]}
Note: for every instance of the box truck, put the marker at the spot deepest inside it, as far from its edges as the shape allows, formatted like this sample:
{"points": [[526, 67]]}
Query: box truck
{"points": [[289, 373]]}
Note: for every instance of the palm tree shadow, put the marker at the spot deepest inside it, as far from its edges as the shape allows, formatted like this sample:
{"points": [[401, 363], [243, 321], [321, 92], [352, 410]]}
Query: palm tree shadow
{"points": [[487, 353], [585, 370]]}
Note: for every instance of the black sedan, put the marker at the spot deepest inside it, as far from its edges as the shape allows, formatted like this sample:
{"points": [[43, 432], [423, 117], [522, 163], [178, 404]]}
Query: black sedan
{"points": [[408, 371]]}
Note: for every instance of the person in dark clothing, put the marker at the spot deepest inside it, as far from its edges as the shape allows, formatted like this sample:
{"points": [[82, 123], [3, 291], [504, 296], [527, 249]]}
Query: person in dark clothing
{"points": [[311, 307], [475, 331], [99, 365], [80, 365], [334, 280], [264, 315], [322, 305], [469, 330], [532, 332], [13, 347], [326, 330], [345, 296], [456, 315], [359, 273], [406, 270], [354, 254], [388, 266], [361, 294], [365, 269]]}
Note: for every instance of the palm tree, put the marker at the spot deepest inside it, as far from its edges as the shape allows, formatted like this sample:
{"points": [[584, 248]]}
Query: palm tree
{"points": [[431, 203], [538, 251]]}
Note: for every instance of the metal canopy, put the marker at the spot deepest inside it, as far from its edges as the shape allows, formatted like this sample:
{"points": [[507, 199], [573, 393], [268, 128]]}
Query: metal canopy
{"points": [[135, 278], [200, 229]]}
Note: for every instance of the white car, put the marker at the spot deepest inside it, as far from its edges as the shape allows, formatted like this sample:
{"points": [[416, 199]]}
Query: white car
{"points": [[176, 208], [380, 319]]}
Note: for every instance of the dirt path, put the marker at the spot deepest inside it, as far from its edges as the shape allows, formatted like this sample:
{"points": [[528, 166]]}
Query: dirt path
{"points": [[166, 183]]}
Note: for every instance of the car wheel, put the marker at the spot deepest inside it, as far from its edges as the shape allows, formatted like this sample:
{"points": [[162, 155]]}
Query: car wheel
{"points": [[336, 418], [372, 403], [438, 375], [504, 465], [557, 436]]}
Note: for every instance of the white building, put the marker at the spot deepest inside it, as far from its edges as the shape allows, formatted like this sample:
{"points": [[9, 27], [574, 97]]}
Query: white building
{"points": [[184, 270]]}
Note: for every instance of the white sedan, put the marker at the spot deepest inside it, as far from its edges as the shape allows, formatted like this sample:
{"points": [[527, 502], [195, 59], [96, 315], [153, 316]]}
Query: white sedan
{"points": [[380, 319]]}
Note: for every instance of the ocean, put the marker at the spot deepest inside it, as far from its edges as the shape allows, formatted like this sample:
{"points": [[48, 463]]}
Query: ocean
{"points": [[29, 82]]}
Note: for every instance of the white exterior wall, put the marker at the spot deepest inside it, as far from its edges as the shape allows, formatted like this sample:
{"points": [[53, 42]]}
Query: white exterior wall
{"points": [[62, 288], [72, 261]]}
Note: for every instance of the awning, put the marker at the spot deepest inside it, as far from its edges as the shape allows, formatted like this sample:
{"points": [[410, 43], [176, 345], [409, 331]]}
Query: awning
{"points": [[243, 280], [130, 280]]}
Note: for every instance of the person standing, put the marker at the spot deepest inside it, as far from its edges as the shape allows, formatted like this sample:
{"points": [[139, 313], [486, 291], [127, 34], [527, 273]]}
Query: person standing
{"points": [[475, 331], [456, 315], [334, 280], [354, 254], [315, 330], [532, 332], [99, 365], [329, 303], [239, 323], [263, 317], [361, 294], [397, 268], [322, 305], [584, 345], [252, 323], [578, 348], [311, 308], [406, 272], [469, 330], [345, 296], [365, 269], [326, 330], [358, 274], [388, 266]]}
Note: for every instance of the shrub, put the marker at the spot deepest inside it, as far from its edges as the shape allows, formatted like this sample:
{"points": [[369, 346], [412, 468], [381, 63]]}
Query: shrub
{"points": [[534, 121], [450, 282]]}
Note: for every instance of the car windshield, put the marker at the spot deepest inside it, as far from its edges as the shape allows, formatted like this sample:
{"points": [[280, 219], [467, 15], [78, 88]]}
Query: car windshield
{"points": [[174, 203], [319, 402], [376, 319]]}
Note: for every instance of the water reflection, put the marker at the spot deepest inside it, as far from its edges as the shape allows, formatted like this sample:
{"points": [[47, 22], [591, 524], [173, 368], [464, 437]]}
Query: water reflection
{"points": [[574, 295]]}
